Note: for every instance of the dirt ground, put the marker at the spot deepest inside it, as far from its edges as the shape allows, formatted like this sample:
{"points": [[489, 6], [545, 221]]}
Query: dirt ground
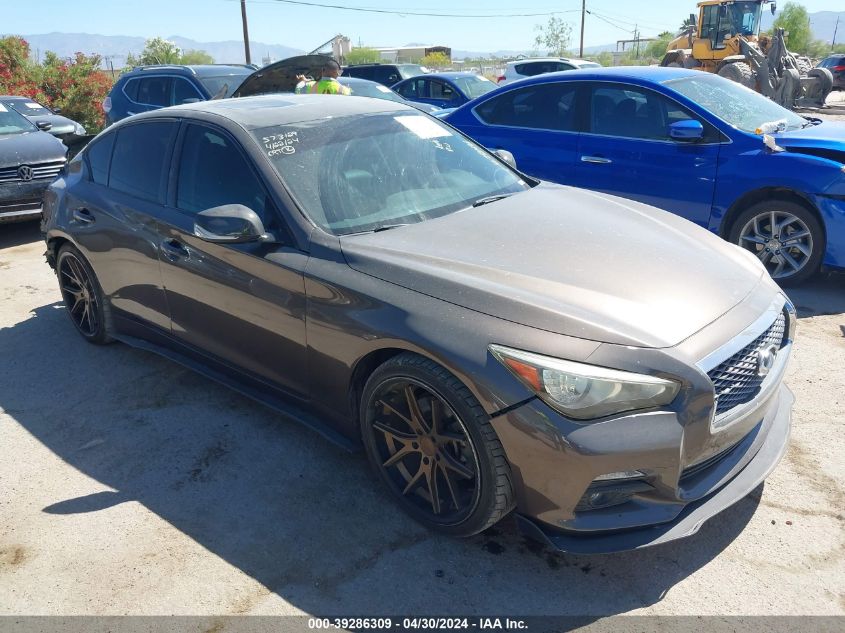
{"points": [[129, 485]]}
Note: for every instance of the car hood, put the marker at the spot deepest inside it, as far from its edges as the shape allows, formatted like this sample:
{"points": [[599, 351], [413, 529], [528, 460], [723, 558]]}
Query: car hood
{"points": [[30, 148], [281, 76], [829, 134], [568, 261]]}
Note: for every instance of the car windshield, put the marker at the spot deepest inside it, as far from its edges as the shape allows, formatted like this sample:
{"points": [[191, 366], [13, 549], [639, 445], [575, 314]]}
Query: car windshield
{"points": [[410, 70], [371, 89], [13, 123], [362, 173], [28, 108], [744, 17], [474, 85], [215, 85], [735, 104]]}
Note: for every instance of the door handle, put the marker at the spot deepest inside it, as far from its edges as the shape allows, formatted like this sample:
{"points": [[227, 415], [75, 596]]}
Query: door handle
{"points": [[174, 249], [83, 216], [596, 160]]}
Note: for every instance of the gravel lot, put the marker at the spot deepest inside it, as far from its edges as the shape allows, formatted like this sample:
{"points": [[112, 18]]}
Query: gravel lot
{"points": [[129, 485]]}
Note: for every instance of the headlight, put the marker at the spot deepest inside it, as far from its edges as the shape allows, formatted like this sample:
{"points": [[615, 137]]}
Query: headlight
{"points": [[585, 392], [79, 130]]}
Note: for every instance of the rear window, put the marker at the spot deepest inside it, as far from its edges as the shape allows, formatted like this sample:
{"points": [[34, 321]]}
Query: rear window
{"points": [[28, 108], [364, 72], [131, 89], [139, 162], [223, 85], [530, 69]]}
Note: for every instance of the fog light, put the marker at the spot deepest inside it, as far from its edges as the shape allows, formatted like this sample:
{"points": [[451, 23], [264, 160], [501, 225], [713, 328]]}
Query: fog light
{"points": [[605, 494]]}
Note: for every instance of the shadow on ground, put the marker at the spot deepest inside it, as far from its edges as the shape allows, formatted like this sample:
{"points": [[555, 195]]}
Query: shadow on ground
{"points": [[19, 233], [303, 518], [823, 295]]}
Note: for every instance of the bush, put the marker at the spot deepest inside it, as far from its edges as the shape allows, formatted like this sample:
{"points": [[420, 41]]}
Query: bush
{"points": [[76, 86]]}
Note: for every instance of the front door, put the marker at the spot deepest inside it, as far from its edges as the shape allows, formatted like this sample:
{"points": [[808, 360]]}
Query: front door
{"points": [[243, 304], [626, 150]]}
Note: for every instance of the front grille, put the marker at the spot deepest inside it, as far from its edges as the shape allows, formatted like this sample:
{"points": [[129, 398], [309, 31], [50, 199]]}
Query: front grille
{"points": [[737, 381], [40, 171]]}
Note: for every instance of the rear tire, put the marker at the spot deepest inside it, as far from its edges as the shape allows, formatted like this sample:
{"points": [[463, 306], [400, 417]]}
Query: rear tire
{"points": [[432, 444], [82, 296], [740, 72], [793, 252]]}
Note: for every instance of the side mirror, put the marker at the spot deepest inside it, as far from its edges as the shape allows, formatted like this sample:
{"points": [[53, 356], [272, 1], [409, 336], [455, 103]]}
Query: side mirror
{"points": [[505, 156], [774, 7], [693, 20], [689, 130], [44, 126], [57, 110], [230, 224]]}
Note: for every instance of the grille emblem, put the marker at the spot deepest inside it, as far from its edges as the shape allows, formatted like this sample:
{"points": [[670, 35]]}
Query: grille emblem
{"points": [[25, 172], [766, 360]]}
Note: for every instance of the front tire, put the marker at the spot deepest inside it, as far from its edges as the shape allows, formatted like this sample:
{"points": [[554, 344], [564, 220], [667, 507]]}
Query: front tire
{"points": [[785, 236], [82, 295], [740, 72], [432, 444]]}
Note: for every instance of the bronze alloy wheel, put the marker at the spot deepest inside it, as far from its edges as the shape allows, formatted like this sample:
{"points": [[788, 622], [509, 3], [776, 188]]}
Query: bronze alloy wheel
{"points": [[432, 444], [81, 295]]}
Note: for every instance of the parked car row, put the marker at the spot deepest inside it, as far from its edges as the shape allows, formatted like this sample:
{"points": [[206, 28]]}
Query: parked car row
{"points": [[609, 371]]}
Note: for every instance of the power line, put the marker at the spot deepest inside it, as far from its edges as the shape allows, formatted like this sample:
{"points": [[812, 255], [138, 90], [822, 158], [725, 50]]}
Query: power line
{"points": [[419, 13]]}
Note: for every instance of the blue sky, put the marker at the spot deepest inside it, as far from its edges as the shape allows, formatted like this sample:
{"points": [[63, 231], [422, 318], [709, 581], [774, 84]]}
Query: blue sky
{"points": [[307, 27]]}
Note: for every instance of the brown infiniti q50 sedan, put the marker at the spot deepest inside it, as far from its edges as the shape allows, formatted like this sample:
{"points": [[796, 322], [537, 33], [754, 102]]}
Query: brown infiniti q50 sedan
{"points": [[610, 372]]}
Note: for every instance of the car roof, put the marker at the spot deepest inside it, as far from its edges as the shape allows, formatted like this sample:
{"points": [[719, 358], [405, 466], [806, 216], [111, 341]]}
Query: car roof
{"points": [[17, 98], [654, 74], [200, 70], [455, 74], [267, 110]]}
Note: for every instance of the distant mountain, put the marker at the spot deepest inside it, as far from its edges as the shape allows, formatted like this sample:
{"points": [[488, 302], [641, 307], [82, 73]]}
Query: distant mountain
{"points": [[116, 47]]}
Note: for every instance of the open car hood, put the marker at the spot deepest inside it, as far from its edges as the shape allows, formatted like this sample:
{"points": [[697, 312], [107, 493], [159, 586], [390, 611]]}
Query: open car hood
{"points": [[281, 76]]}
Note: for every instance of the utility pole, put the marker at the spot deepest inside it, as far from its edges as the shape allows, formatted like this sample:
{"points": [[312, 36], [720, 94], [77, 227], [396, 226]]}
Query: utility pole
{"points": [[583, 15], [637, 40], [835, 30], [246, 32]]}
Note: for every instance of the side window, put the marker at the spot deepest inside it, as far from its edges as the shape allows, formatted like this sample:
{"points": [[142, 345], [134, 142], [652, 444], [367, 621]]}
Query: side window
{"points": [[408, 89], [139, 164], [386, 75], [155, 91], [98, 155], [131, 89], [630, 112], [213, 172], [184, 92], [710, 25], [364, 73], [544, 106], [441, 90]]}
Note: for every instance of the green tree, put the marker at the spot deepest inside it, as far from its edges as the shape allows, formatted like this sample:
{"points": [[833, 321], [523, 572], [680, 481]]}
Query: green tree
{"points": [[195, 57], [156, 51], [794, 19], [687, 24], [436, 61], [554, 36], [605, 58], [657, 48], [363, 55]]}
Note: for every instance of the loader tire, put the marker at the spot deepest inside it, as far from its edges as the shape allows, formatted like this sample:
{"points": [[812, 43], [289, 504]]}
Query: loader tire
{"points": [[824, 80], [740, 72]]}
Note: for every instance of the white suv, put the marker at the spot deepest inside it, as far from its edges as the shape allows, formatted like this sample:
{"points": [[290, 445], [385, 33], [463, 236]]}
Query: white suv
{"points": [[531, 66]]}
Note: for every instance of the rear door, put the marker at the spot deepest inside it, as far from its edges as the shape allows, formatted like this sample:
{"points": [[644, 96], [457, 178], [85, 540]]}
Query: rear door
{"points": [[626, 150], [243, 304], [538, 124], [113, 214]]}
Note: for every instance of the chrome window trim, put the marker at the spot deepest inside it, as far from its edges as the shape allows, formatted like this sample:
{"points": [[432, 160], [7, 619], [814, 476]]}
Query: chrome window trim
{"points": [[741, 340]]}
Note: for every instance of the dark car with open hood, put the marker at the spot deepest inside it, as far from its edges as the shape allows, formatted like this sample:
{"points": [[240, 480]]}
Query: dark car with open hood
{"points": [[610, 372], [29, 161]]}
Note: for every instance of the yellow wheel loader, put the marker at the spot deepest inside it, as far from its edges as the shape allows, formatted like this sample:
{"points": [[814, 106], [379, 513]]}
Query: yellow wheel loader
{"points": [[725, 39]]}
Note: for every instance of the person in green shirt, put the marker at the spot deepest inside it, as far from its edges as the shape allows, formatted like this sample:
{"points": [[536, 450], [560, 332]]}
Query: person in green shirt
{"points": [[328, 84]]}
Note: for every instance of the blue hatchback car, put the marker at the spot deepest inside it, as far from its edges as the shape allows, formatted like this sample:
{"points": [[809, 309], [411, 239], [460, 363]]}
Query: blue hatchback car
{"points": [[444, 90], [151, 87], [690, 142]]}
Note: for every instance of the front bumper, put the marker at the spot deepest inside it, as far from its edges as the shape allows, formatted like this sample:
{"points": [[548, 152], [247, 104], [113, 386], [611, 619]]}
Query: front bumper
{"points": [[21, 200], [766, 444]]}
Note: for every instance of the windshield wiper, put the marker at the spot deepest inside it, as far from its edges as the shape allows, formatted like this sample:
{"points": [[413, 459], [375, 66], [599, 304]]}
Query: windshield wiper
{"points": [[387, 227], [489, 199]]}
